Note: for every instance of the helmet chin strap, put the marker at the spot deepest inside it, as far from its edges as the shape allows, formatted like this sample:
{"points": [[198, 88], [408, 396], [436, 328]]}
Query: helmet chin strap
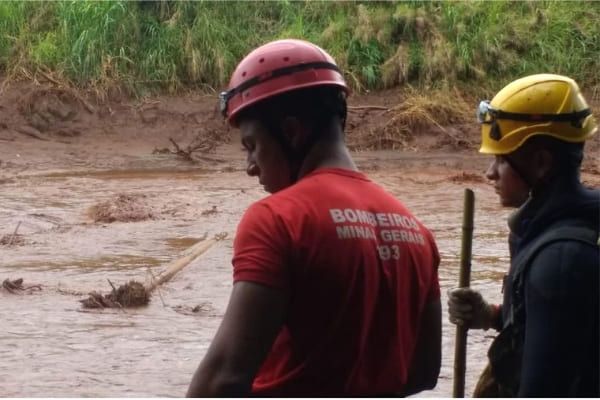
{"points": [[297, 157], [294, 157], [320, 123]]}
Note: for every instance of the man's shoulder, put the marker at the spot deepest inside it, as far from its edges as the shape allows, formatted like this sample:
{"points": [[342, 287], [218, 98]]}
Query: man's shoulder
{"points": [[560, 244], [576, 229], [572, 256]]}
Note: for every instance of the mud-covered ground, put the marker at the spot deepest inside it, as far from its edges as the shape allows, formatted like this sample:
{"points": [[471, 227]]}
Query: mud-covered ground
{"points": [[92, 192]]}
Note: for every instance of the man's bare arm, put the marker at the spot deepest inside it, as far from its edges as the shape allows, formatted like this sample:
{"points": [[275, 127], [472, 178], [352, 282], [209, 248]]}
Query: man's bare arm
{"points": [[250, 325]]}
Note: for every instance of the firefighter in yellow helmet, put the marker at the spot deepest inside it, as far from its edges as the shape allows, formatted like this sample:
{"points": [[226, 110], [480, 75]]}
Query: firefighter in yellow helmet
{"points": [[548, 345]]}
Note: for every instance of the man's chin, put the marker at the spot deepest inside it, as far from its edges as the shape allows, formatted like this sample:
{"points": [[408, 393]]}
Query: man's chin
{"points": [[268, 188], [510, 203]]}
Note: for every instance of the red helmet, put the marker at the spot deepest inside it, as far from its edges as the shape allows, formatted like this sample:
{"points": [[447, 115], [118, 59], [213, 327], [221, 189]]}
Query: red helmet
{"points": [[275, 68]]}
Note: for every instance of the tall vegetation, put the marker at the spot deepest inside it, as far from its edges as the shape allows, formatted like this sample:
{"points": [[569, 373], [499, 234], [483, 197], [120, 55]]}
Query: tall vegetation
{"points": [[169, 45]]}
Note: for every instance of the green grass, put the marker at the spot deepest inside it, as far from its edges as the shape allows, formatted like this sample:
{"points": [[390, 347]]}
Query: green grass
{"points": [[170, 46]]}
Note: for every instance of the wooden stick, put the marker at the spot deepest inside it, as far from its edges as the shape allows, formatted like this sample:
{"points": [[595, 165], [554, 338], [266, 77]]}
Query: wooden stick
{"points": [[14, 235], [177, 265], [460, 346]]}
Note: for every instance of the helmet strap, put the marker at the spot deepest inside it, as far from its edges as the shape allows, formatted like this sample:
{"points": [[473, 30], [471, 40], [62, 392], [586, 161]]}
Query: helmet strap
{"points": [[294, 156], [298, 156], [495, 131]]}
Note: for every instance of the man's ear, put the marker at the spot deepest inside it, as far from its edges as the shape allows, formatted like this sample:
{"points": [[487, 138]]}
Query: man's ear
{"points": [[294, 131], [543, 162]]}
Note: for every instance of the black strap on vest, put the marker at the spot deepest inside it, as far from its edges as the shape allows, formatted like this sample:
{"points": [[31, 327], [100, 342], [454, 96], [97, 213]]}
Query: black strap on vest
{"points": [[523, 261]]}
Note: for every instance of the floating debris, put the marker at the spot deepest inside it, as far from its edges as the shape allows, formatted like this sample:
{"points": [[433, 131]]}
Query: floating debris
{"points": [[467, 177], [132, 294], [124, 208], [12, 240], [17, 285], [213, 210], [135, 294], [204, 309]]}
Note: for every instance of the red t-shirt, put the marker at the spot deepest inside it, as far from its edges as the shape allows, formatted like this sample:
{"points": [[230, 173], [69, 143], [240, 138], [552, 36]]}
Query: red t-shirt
{"points": [[359, 267]]}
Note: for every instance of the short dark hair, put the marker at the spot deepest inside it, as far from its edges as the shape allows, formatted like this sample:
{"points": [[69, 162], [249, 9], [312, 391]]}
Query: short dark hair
{"points": [[568, 156], [316, 106]]}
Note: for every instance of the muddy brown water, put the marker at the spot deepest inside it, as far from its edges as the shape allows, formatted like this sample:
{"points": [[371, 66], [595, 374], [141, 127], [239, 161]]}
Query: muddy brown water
{"points": [[94, 201], [52, 347]]}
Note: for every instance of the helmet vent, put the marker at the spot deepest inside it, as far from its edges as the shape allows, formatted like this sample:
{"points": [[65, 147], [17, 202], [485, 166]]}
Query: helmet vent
{"points": [[286, 59], [262, 60]]}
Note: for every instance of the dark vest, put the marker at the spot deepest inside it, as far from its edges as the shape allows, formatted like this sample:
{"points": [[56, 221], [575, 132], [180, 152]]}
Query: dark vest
{"points": [[506, 352]]}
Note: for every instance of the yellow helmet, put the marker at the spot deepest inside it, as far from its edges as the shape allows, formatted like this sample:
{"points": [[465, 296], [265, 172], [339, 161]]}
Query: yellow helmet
{"points": [[542, 104]]}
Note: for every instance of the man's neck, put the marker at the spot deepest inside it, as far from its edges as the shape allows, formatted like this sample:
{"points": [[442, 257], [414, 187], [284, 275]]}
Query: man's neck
{"points": [[327, 154]]}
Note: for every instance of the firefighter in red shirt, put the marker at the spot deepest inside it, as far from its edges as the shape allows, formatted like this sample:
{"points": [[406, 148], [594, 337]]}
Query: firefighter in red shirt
{"points": [[335, 286]]}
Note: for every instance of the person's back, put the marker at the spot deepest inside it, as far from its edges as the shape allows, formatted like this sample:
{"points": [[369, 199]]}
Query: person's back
{"points": [[335, 283], [359, 268]]}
